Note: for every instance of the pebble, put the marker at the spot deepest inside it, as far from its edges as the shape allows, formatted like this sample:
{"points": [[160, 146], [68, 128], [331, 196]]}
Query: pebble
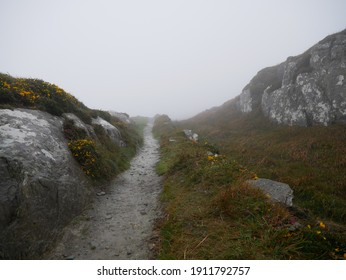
{"points": [[100, 193]]}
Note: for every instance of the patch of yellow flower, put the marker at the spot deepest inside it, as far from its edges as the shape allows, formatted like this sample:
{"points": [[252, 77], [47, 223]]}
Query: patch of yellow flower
{"points": [[84, 152], [322, 225], [25, 93], [210, 158], [6, 85]]}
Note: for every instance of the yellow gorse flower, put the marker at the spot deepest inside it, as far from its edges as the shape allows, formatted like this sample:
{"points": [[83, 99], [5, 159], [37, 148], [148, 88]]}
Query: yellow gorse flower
{"points": [[6, 85], [322, 225]]}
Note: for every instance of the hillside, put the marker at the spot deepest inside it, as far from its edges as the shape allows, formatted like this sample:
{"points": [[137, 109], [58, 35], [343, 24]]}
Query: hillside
{"points": [[304, 90], [213, 213], [287, 125], [311, 159], [55, 153]]}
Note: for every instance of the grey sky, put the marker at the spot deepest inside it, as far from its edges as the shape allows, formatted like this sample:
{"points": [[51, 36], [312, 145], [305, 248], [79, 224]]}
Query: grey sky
{"points": [[144, 57]]}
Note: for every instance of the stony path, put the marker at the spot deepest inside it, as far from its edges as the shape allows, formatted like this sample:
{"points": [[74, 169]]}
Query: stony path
{"points": [[120, 224]]}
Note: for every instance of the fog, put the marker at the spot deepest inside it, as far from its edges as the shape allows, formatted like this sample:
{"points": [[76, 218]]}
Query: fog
{"points": [[143, 57]]}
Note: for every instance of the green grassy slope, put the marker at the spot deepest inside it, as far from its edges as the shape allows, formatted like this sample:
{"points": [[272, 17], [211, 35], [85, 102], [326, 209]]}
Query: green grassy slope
{"points": [[212, 214]]}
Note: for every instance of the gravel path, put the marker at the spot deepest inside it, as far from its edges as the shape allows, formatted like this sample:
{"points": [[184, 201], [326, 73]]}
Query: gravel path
{"points": [[120, 224]]}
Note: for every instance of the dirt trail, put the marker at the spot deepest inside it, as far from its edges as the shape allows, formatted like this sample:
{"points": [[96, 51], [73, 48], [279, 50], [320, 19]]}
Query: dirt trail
{"points": [[120, 224]]}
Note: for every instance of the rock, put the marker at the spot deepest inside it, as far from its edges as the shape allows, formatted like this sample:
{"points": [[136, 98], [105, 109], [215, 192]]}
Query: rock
{"points": [[305, 90], [278, 192], [191, 135], [112, 131], [41, 188], [101, 193], [121, 116], [77, 122]]}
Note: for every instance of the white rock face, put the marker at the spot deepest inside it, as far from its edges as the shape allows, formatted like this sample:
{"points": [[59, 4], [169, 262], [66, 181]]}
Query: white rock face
{"points": [[41, 183], [245, 103], [311, 89]]}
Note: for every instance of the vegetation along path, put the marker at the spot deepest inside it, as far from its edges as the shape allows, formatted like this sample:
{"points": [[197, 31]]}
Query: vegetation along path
{"points": [[120, 224]]}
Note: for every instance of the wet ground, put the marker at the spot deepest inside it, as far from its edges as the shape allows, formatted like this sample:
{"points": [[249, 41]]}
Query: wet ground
{"points": [[120, 223]]}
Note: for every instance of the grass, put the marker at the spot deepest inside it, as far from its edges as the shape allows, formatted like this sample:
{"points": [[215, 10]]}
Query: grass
{"points": [[310, 159], [211, 213]]}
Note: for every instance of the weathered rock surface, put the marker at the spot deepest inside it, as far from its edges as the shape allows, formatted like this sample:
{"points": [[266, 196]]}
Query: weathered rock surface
{"points": [[41, 188], [121, 116], [111, 131], [191, 135], [278, 192], [77, 122], [305, 90]]}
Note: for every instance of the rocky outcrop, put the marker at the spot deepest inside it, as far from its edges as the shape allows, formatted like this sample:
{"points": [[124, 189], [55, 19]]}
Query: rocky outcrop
{"points": [[121, 116], [305, 90], [191, 135], [42, 187], [277, 191], [112, 131]]}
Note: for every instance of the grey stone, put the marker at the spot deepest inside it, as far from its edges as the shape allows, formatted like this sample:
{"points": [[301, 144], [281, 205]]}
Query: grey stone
{"points": [[42, 187], [277, 191], [191, 135], [112, 131], [121, 116], [305, 90]]}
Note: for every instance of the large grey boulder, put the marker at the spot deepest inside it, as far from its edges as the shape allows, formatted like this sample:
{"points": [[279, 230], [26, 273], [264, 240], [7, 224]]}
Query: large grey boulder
{"points": [[277, 191], [41, 188], [305, 90]]}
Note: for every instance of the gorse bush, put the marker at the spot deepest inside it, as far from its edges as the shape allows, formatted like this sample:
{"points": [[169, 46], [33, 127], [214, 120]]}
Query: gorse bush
{"points": [[99, 156], [84, 151], [38, 94]]}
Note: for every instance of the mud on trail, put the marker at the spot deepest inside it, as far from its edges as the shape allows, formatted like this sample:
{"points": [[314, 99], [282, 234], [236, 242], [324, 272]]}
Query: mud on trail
{"points": [[120, 223]]}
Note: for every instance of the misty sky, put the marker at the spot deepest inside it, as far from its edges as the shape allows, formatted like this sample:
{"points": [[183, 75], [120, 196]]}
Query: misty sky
{"points": [[143, 57]]}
